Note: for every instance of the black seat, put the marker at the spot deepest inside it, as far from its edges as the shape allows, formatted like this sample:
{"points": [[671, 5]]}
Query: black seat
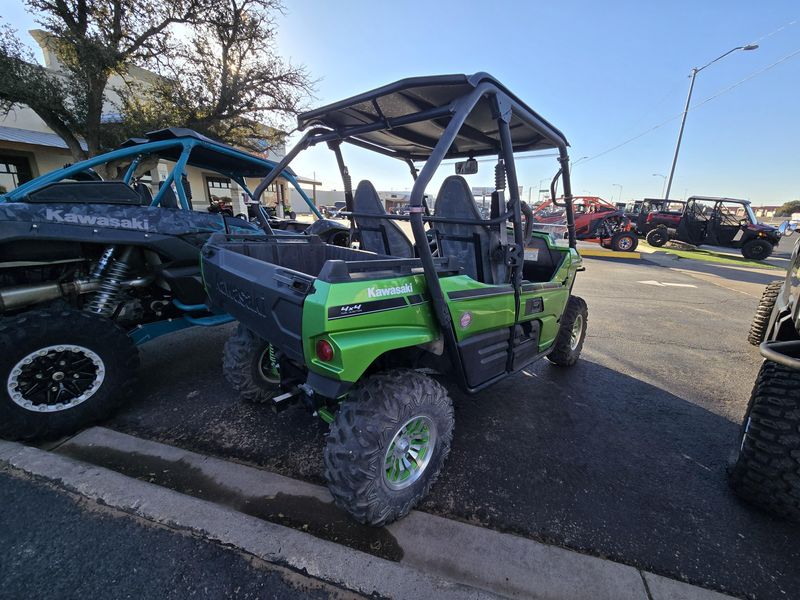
{"points": [[477, 249], [144, 192], [381, 236], [169, 199]]}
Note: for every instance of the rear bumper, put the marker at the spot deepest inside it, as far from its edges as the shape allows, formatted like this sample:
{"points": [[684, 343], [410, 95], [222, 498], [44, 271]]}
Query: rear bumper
{"points": [[326, 386], [783, 353]]}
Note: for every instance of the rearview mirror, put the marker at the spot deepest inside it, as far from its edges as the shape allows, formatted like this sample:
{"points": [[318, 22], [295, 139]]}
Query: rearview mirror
{"points": [[467, 167]]}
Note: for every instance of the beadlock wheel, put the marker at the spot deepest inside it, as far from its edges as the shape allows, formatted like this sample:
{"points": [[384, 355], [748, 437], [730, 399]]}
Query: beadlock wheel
{"points": [[55, 378]]}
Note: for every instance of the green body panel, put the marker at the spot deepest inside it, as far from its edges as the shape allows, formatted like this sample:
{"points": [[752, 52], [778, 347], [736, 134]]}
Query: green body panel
{"points": [[358, 339], [361, 338]]}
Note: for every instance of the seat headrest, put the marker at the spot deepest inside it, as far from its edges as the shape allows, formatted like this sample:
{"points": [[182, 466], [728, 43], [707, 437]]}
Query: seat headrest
{"points": [[367, 200], [455, 200]]}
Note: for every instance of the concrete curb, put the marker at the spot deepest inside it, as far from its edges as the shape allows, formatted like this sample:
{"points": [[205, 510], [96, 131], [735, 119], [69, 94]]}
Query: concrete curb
{"points": [[440, 558]]}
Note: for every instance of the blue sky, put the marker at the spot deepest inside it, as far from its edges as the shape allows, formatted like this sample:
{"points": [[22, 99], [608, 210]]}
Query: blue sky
{"points": [[601, 72]]}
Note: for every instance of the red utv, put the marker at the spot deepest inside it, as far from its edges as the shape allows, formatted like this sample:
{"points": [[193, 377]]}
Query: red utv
{"points": [[596, 220]]}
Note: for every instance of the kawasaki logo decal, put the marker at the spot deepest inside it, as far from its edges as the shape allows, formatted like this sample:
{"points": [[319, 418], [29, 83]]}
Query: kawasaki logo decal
{"points": [[389, 291], [58, 216]]}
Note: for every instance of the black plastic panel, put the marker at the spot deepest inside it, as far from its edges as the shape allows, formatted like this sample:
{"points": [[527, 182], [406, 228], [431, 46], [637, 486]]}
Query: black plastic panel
{"points": [[484, 356], [85, 192]]}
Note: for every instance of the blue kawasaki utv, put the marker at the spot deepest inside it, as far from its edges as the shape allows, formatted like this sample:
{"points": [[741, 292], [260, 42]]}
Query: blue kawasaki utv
{"points": [[90, 268]]}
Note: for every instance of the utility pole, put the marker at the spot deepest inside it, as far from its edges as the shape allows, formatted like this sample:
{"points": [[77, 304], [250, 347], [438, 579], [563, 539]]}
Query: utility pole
{"points": [[693, 76]]}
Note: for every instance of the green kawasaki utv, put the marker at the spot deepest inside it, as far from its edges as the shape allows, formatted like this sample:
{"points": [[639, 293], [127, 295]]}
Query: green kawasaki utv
{"points": [[360, 336]]}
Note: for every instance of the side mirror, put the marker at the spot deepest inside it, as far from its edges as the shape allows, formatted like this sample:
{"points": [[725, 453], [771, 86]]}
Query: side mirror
{"points": [[786, 229], [467, 167]]}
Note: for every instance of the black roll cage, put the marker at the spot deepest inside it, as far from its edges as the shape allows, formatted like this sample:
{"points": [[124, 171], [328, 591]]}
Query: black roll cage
{"points": [[504, 105]]}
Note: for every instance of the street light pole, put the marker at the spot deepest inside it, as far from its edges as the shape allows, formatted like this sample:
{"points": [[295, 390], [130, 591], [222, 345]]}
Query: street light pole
{"points": [[664, 184], [620, 190], [695, 71], [539, 190]]}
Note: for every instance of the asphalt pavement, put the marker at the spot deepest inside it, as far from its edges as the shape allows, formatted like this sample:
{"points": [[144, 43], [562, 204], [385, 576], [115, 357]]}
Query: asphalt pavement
{"points": [[55, 546], [622, 456]]}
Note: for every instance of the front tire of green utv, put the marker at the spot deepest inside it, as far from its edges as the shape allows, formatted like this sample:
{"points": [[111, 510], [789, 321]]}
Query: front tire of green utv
{"points": [[387, 445], [246, 369], [765, 465], [758, 328], [571, 334], [62, 370]]}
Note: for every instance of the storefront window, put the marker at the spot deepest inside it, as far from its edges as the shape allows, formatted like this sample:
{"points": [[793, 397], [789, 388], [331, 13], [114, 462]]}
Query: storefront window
{"points": [[219, 189], [14, 170]]}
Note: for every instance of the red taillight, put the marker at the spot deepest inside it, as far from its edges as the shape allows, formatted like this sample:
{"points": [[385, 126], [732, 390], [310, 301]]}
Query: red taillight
{"points": [[324, 351]]}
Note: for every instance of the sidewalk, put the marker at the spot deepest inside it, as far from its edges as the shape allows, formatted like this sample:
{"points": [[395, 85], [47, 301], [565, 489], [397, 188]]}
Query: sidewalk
{"points": [[420, 556]]}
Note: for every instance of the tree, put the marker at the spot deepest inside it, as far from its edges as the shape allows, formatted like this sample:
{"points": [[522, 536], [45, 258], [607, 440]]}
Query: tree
{"points": [[787, 208], [207, 83], [226, 81]]}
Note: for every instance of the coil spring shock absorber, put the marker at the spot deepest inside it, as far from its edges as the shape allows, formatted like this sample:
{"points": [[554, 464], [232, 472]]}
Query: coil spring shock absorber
{"points": [[111, 273]]}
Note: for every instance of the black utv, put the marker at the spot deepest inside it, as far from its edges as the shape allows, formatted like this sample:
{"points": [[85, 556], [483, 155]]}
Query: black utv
{"points": [[765, 465], [720, 222]]}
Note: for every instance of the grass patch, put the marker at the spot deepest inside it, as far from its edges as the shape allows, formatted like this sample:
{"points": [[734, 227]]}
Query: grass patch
{"points": [[717, 257]]}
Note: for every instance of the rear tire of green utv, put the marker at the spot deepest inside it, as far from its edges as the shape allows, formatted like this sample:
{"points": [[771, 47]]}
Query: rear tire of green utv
{"points": [[244, 364], [571, 334], [765, 466], [758, 328], [387, 445]]}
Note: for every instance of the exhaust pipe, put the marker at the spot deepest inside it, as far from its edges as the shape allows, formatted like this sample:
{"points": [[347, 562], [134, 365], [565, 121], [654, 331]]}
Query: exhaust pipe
{"points": [[21, 296]]}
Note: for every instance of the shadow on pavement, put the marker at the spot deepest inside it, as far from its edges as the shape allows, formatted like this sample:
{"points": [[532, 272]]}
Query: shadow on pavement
{"points": [[586, 458]]}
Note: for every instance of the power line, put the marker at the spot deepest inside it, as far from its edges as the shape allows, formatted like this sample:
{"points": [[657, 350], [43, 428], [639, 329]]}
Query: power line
{"points": [[705, 101]]}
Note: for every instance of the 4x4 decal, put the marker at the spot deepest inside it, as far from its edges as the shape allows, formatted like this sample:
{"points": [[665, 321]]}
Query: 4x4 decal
{"points": [[362, 308]]}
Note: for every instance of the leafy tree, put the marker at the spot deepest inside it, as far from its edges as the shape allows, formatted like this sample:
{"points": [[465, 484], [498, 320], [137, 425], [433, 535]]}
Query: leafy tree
{"points": [[226, 80], [223, 81], [787, 208]]}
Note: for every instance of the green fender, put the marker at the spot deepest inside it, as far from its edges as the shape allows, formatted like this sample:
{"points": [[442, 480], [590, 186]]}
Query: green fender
{"points": [[362, 346]]}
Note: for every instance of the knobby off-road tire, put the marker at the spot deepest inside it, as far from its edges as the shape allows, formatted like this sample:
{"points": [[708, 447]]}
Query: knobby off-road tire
{"points": [[62, 370], [757, 250], [362, 467], [766, 469], [758, 328], [571, 334], [657, 237], [245, 364], [624, 241]]}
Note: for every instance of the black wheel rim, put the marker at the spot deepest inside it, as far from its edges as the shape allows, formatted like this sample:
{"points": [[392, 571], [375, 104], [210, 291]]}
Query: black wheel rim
{"points": [[55, 378]]}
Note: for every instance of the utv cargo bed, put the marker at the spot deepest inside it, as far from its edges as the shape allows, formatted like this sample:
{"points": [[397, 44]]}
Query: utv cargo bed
{"points": [[263, 280]]}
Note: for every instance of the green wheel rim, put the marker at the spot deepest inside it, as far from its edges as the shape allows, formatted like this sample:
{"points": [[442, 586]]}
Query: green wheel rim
{"points": [[575, 334], [268, 366], [409, 453]]}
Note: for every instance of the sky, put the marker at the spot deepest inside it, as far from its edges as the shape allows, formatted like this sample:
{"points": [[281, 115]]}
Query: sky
{"points": [[602, 72]]}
